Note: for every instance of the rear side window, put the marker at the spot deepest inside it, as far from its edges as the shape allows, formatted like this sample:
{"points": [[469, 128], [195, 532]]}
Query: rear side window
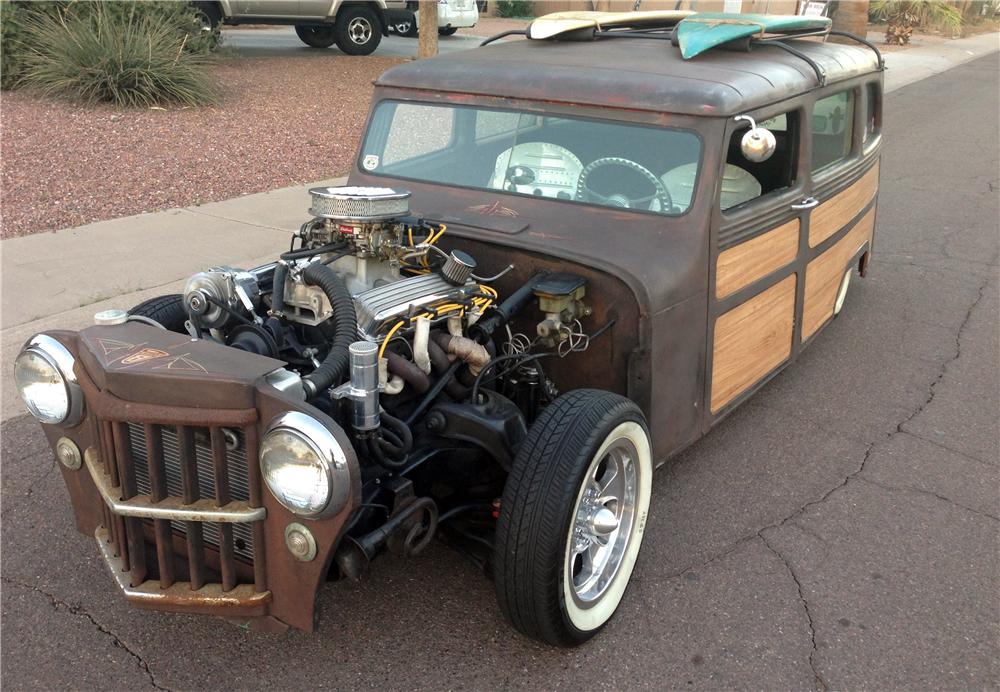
{"points": [[832, 129], [871, 111]]}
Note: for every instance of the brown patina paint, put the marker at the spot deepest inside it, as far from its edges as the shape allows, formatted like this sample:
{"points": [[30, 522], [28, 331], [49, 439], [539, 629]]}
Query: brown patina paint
{"points": [[653, 275]]}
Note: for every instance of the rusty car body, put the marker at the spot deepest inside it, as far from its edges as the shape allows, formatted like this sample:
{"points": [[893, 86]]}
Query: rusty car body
{"points": [[620, 315]]}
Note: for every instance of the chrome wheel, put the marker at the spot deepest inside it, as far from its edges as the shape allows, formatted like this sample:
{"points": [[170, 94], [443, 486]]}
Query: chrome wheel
{"points": [[359, 30], [603, 521]]}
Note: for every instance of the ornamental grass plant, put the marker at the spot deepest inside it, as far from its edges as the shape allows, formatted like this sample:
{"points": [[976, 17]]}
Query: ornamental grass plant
{"points": [[129, 54]]}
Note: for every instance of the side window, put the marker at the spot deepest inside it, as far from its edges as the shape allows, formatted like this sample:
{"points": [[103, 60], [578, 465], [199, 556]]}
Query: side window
{"points": [[872, 116], [832, 129], [744, 181], [418, 130], [493, 123]]}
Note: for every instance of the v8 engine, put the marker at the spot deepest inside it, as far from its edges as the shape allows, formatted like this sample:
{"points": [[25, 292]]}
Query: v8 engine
{"points": [[398, 340]]}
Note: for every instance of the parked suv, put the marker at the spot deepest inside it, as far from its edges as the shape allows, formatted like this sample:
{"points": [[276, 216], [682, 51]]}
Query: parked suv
{"points": [[356, 27]]}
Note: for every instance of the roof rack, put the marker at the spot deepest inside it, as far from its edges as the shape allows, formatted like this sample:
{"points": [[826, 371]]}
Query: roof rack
{"points": [[667, 30]]}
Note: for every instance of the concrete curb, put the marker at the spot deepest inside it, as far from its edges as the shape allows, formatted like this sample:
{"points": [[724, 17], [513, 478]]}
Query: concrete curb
{"points": [[60, 279]]}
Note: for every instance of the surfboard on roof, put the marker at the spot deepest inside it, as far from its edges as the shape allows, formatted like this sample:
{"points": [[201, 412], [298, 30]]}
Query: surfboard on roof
{"points": [[695, 33], [560, 23], [706, 30]]}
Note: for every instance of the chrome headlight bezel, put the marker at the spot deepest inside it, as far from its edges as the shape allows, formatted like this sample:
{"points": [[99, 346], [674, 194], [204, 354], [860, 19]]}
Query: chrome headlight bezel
{"points": [[329, 454], [62, 361]]}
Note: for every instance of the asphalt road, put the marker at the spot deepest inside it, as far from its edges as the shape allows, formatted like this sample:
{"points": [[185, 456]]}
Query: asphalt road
{"points": [[281, 41], [838, 531]]}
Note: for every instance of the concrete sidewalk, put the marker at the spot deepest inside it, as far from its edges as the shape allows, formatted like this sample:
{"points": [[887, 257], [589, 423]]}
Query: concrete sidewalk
{"points": [[60, 279]]}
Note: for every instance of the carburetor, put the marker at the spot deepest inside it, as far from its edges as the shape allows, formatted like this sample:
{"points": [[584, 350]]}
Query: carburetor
{"points": [[366, 217]]}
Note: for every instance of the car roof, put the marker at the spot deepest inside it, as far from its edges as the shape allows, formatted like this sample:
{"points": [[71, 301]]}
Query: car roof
{"points": [[635, 73]]}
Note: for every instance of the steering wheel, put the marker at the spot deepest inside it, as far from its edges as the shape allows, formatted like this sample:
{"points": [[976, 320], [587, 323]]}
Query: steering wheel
{"points": [[585, 193]]}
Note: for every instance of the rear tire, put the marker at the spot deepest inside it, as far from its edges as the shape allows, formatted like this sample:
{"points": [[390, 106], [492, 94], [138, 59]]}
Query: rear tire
{"points": [[316, 36], [406, 28], [358, 30], [447, 31], [167, 310], [572, 517], [842, 293]]}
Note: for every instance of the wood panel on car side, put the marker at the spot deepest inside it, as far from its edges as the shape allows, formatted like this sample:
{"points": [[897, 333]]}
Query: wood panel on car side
{"points": [[830, 216], [825, 273], [741, 265], [751, 340]]}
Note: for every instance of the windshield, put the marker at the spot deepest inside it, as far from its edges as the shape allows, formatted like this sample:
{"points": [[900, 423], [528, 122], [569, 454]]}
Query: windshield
{"points": [[650, 169]]}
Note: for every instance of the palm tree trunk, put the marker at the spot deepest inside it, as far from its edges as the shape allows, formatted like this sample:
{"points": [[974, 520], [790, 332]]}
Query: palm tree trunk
{"points": [[851, 16]]}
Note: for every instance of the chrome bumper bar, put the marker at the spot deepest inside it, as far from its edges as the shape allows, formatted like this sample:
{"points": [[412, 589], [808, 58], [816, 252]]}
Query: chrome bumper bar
{"points": [[169, 508]]}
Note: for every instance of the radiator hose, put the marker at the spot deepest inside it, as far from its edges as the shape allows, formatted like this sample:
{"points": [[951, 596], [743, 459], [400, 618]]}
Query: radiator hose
{"points": [[333, 369]]}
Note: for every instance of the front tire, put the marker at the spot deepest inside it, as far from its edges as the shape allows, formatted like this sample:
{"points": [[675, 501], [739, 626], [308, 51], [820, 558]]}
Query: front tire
{"points": [[572, 517], [357, 30], [316, 36], [166, 310]]}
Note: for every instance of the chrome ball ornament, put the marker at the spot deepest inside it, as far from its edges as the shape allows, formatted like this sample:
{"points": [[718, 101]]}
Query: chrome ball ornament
{"points": [[758, 143]]}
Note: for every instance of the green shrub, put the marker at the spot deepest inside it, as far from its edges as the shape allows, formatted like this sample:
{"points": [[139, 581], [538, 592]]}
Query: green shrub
{"points": [[11, 38], [514, 8], [125, 53]]}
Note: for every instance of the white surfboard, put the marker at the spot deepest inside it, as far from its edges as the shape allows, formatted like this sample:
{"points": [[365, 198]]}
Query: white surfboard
{"points": [[558, 23]]}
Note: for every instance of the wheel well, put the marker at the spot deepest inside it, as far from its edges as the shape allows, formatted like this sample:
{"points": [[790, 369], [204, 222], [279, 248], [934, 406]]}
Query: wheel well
{"points": [[863, 261]]}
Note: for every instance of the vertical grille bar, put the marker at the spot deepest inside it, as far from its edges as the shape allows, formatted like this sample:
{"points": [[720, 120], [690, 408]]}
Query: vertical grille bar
{"points": [[158, 491], [108, 460], [220, 467], [109, 524], [110, 467], [189, 480], [134, 533], [256, 500], [117, 527]]}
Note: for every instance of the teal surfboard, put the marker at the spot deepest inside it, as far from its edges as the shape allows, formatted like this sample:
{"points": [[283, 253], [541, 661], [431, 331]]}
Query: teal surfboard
{"points": [[706, 30]]}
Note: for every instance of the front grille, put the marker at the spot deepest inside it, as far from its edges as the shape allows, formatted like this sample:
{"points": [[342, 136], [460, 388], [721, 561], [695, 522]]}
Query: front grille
{"points": [[184, 467], [238, 477]]}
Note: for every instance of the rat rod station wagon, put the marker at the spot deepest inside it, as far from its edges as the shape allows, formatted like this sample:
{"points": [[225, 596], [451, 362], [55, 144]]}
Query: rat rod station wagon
{"points": [[558, 262]]}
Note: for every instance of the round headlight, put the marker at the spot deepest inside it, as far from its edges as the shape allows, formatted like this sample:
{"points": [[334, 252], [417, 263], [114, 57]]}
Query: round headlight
{"points": [[304, 466], [43, 373]]}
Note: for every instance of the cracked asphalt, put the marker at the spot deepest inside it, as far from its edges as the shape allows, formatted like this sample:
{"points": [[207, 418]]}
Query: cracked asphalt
{"points": [[840, 530]]}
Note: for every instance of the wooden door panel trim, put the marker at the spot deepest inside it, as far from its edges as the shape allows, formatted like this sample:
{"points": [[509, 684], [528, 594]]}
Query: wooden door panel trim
{"points": [[825, 272], [830, 216], [743, 264], [751, 340]]}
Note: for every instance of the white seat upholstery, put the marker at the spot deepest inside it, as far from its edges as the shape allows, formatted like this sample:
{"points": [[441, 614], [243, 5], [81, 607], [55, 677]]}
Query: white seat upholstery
{"points": [[738, 185]]}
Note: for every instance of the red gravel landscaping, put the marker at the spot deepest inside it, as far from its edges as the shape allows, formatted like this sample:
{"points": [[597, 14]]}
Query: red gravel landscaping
{"points": [[282, 121]]}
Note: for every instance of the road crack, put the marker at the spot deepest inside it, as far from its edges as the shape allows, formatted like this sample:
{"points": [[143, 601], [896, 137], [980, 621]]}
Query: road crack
{"points": [[60, 605], [820, 682], [930, 493]]}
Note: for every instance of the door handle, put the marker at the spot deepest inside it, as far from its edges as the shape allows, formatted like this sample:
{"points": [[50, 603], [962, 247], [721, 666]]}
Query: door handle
{"points": [[807, 203]]}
